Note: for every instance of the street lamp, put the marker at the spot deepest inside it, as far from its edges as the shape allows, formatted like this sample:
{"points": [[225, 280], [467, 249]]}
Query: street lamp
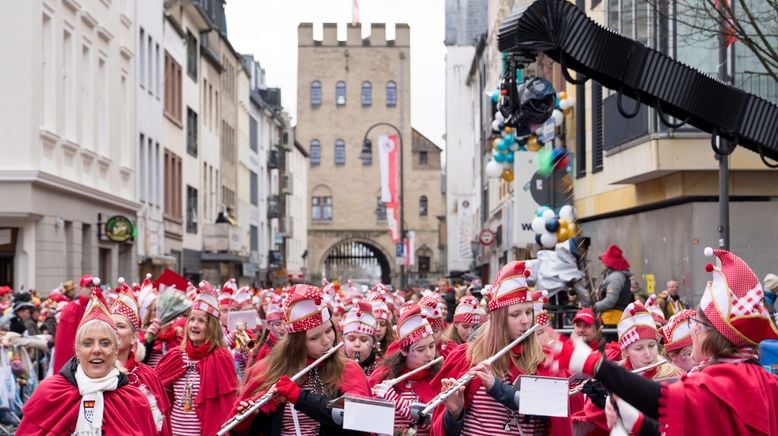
{"points": [[366, 154]]}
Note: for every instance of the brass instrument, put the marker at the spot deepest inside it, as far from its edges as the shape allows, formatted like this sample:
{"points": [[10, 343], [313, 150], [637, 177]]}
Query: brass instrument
{"points": [[242, 339], [264, 399], [467, 378], [578, 388]]}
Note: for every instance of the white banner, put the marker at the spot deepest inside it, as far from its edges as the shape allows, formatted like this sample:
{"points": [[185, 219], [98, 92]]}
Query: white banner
{"points": [[410, 248]]}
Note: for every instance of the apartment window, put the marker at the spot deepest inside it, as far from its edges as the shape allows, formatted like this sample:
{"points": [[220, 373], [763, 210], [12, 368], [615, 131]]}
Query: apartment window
{"points": [[143, 176], [321, 208], [254, 189], [191, 132], [157, 168], [69, 84], [391, 94], [150, 51], [85, 97], [157, 69], [48, 99], [340, 93], [173, 99], [340, 152], [315, 93], [423, 158], [253, 141], [597, 126], [423, 263], [191, 56], [380, 210], [101, 131], [315, 152], [254, 238], [367, 94], [172, 185], [423, 205], [191, 209], [142, 58]]}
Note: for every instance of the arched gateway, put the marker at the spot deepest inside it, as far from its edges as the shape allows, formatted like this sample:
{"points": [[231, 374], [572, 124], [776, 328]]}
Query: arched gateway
{"points": [[358, 261]]}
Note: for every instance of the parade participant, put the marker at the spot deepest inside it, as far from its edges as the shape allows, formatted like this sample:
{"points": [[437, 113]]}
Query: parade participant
{"points": [[275, 329], [22, 320], [228, 304], [639, 348], [91, 394], [359, 336], [69, 320], [466, 316], [200, 374], [677, 339], [302, 405], [488, 405], [728, 392], [384, 332], [432, 309], [652, 305], [416, 349], [585, 327], [124, 312], [614, 294]]}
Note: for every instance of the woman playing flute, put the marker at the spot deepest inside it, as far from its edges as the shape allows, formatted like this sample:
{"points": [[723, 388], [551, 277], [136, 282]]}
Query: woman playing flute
{"points": [[488, 405], [301, 408]]}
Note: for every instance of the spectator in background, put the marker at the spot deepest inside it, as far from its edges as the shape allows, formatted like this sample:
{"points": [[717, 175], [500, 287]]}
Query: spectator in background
{"points": [[639, 293], [614, 294], [448, 294], [669, 300], [770, 293]]}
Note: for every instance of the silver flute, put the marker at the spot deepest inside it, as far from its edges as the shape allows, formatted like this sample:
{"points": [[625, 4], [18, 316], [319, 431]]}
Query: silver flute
{"points": [[467, 378], [394, 381], [264, 399], [578, 388]]}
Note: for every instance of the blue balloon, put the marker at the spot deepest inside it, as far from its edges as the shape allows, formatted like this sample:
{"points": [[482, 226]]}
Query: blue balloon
{"points": [[509, 157], [537, 239], [499, 157], [495, 97], [509, 138], [502, 144], [552, 225]]}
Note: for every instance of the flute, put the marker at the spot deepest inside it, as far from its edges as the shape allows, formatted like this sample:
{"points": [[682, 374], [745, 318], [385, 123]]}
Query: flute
{"points": [[264, 399], [578, 388], [394, 381], [467, 378]]}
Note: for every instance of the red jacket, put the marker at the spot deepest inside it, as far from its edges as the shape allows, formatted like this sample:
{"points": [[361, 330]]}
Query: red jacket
{"points": [[65, 338]]}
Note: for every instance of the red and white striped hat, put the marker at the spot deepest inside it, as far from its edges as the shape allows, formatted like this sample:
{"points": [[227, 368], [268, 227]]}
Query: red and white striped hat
{"points": [[636, 323], [652, 304], [467, 311], [539, 299], [230, 287], [206, 300], [380, 308], [360, 319], [733, 301], [510, 287], [412, 327], [304, 309], [126, 304], [274, 310], [676, 332], [96, 309], [431, 308]]}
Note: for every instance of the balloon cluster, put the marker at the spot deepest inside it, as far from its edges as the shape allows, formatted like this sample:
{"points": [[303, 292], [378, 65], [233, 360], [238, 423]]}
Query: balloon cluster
{"points": [[509, 140], [551, 228]]}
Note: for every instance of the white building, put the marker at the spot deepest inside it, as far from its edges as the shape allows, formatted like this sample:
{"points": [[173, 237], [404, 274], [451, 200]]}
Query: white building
{"points": [[294, 186], [248, 174], [68, 123]]}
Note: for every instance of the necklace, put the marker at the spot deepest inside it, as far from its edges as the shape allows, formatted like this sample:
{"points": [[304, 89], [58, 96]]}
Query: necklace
{"points": [[318, 385], [187, 401]]}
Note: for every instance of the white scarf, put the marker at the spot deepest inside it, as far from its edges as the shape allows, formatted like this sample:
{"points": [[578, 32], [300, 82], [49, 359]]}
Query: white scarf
{"points": [[90, 419]]}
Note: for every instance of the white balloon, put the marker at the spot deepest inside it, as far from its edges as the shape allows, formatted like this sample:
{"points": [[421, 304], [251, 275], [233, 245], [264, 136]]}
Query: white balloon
{"points": [[515, 146], [493, 169], [548, 214], [564, 104], [571, 101], [548, 240], [567, 213], [496, 125], [539, 225], [499, 116], [558, 117]]}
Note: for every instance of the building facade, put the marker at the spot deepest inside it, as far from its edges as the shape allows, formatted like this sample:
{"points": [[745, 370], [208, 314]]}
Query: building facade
{"points": [[344, 88], [69, 133]]}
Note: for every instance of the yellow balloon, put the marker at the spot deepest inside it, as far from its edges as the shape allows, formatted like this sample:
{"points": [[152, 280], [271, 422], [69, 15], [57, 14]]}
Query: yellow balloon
{"points": [[532, 144], [508, 130], [562, 234], [572, 229], [562, 95], [507, 175], [563, 223]]}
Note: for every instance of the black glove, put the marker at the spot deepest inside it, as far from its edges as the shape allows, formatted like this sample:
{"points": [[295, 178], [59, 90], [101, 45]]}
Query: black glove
{"points": [[596, 392]]}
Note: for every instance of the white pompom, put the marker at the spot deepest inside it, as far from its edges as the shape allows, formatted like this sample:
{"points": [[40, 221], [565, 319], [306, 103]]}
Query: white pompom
{"points": [[202, 284], [96, 281], [708, 252], [148, 276], [121, 280]]}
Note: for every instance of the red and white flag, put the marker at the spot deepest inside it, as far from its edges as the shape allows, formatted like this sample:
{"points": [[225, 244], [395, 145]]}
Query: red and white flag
{"points": [[410, 247], [355, 12], [387, 158]]}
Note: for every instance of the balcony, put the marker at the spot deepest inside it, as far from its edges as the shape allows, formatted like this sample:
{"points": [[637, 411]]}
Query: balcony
{"points": [[286, 227], [221, 237], [287, 184], [273, 160], [274, 206]]}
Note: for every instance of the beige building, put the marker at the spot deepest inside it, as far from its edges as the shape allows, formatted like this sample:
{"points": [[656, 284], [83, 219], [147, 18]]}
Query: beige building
{"points": [[344, 88]]}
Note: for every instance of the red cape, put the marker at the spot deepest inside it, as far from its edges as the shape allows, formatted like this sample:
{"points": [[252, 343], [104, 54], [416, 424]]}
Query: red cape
{"points": [[65, 337], [446, 346], [422, 388], [722, 399], [264, 350], [353, 382], [456, 365], [53, 410], [218, 385], [149, 378]]}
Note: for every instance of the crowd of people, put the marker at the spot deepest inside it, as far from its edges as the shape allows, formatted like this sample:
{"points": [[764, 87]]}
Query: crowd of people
{"points": [[109, 364]]}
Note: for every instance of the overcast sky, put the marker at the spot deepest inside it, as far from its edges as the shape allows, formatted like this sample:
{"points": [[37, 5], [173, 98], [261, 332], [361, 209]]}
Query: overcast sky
{"points": [[268, 30]]}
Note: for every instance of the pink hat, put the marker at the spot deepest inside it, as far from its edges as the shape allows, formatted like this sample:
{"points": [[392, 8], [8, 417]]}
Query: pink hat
{"points": [[274, 311], [431, 308], [636, 323], [510, 287], [733, 301], [614, 259], [206, 300], [467, 311], [360, 319], [676, 333], [412, 327], [584, 315], [304, 309]]}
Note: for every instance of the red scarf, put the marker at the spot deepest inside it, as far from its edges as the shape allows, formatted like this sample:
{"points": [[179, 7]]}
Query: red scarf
{"points": [[131, 363], [421, 387], [197, 353], [168, 337]]}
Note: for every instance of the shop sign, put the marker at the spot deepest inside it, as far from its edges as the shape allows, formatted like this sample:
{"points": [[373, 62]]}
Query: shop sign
{"points": [[119, 228]]}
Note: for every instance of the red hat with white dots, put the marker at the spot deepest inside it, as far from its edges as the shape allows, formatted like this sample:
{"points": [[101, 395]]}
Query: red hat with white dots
{"points": [[676, 333], [510, 287], [380, 308], [304, 309], [431, 308], [360, 319], [733, 301], [206, 300], [467, 311], [636, 323], [412, 327]]}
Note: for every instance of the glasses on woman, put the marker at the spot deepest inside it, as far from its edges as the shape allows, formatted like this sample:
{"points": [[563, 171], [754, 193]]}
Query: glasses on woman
{"points": [[694, 319]]}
